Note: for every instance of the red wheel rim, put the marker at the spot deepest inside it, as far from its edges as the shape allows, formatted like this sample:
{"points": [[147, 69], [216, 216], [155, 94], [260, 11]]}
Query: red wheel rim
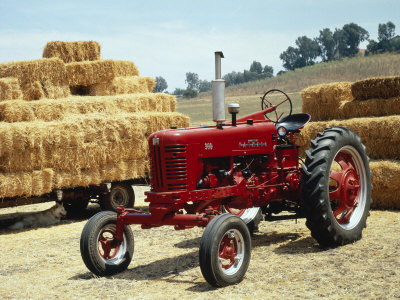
{"points": [[344, 187], [108, 246], [234, 211], [228, 250]]}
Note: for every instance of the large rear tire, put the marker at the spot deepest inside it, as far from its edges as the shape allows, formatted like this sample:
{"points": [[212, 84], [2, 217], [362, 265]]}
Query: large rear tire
{"points": [[337, 189], [100, 251], [225, 250]]}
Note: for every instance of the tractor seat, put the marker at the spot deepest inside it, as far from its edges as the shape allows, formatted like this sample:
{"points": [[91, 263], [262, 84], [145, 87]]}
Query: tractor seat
{"points": [[293, 122]]}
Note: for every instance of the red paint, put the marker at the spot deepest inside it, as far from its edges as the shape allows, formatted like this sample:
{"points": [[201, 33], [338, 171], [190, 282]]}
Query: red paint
{"points": [[196, 170], [346, 190]]}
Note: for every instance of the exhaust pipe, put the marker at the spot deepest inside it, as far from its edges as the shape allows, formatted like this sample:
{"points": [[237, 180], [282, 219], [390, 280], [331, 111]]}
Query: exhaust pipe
{"points": [[218, 92]]}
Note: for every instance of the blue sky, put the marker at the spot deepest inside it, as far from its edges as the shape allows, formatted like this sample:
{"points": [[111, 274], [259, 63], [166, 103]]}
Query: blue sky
{"points": [[170, 38]]}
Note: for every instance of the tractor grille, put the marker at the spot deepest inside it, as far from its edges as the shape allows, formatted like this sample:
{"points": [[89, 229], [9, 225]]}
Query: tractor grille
{"points": [[156, 167], [169, 173], [176, 167]]}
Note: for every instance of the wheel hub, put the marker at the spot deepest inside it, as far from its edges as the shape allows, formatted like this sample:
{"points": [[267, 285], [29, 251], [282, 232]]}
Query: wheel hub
{"points": [[345, 193], [107, 244], [228, 250], [350, 187]]}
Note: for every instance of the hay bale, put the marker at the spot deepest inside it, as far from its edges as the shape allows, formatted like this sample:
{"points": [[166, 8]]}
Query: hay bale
{"points": [[322, 101], [39, 78], [72, 51], [34, 183], [92, 72], [82, 151], [376, 87], [370, 108], [81, 142], [10, 88], [111, 172], [381, 135], [386, 184], [123, 85], [52, 110], [33, 90]]}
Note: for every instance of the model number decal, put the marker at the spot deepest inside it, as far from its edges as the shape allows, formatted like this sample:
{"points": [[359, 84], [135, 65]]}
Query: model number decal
{"points": [[208, 146], [252, 144]]}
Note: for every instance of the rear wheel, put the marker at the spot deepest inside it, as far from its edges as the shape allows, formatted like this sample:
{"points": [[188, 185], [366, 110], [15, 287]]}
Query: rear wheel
{"points": [[100, 251], [337, 190], [120, 194], [225, 250]]}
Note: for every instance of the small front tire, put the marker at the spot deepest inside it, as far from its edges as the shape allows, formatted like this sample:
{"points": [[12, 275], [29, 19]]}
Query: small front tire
{"points": [[100, 251], [225, 250]]}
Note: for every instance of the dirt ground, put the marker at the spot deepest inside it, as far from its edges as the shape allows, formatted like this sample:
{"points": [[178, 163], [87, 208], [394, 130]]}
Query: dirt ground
{"points": [[286, 262]]}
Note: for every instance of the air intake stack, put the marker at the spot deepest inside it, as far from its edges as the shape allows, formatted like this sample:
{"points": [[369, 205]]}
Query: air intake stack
{"points": [[218, 91]]}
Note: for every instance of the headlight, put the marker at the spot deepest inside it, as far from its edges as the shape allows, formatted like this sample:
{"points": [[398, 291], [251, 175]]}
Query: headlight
{"points": [[282, 131]]}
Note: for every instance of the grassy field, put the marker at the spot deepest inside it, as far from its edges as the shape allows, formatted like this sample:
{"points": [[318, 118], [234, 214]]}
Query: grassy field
{"points": [[348, 69], [200, 110], [286, 263]]}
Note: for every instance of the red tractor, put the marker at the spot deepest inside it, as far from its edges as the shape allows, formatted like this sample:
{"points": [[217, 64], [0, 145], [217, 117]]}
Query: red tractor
{"points": [[223, 177]]}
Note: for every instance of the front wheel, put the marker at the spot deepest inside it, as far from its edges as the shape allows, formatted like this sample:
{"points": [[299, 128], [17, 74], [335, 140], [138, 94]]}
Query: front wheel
{"points": [[337, 187], [100, 251], [225, 250]]}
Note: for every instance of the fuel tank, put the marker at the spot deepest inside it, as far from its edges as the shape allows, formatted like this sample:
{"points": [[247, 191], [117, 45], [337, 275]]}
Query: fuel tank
{"points": [[176, 155]]}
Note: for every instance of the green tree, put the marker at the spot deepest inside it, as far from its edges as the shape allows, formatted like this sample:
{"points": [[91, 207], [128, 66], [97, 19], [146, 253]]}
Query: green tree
{"points": [[178, 92], [386, 31], [229, 79], [348, 39], [340, 43], [233, 78], [161, 85], [256, 67], [250, 76], [192, 81], [385, 42], [190, 93], [327, 44], [290, 58], [268, 71], [204, 86], [308, 50]]}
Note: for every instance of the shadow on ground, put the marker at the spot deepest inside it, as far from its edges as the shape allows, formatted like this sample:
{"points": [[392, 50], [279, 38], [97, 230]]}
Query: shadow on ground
{"points": [[154, 270]]}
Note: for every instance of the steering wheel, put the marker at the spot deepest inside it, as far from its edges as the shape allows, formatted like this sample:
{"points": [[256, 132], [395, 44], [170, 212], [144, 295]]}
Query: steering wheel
{"points": [[279, 100]]}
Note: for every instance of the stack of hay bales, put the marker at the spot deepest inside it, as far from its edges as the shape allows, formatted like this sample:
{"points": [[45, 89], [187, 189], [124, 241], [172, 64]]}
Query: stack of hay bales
{"points": [[371, 108], [97, 134], [41, 78]]}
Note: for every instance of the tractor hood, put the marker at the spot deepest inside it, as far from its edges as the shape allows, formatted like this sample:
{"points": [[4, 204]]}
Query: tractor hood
{"points": [[210, 141]]}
